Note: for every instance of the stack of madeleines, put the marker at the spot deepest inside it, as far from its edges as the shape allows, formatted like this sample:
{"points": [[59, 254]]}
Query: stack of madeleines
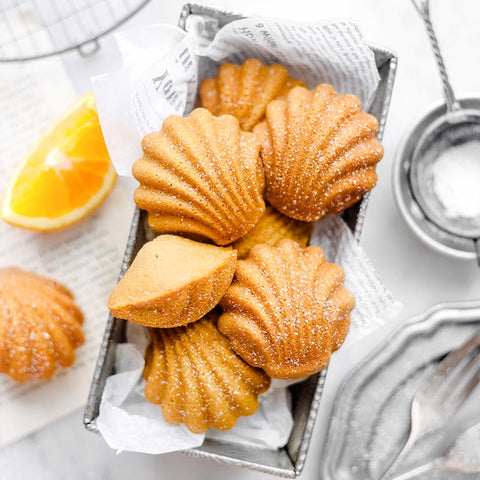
{"points": [[230, 290]]}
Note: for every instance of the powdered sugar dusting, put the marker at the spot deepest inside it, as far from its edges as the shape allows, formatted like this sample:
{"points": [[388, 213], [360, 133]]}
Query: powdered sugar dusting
{"points": [[198, 380], [287, 309], [319, 153], [456, 180], [40, 326], [201, 176]]}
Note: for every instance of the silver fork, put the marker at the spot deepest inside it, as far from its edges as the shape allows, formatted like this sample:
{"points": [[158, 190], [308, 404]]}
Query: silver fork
{"points": [[441, 393], [454, 460]]}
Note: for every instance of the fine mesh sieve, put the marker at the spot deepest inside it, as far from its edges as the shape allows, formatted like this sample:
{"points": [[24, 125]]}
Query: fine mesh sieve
{"points": [[453, 129]]}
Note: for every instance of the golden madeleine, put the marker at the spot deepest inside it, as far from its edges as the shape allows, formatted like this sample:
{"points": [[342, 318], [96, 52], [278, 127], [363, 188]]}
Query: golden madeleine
{"points": [[40, 325], [197, 379], [244, 91], [173, 281], [319, 152], [272, 227], [201, 176], [287, 309]]}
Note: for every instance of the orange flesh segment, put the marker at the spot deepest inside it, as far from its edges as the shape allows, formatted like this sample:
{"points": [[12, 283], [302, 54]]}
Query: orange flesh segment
{"points": [[66, 170]]}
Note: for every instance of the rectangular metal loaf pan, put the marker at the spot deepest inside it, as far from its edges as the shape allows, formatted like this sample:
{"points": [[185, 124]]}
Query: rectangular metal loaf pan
{"points": [[289, 461]]}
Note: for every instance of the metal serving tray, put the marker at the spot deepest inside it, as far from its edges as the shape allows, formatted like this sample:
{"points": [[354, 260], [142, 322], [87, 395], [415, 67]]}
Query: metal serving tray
{"points": [[286, 462], [371, 419]]}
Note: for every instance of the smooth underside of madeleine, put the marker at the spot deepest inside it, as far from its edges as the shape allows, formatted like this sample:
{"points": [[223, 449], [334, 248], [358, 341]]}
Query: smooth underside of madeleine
{"points": [[173, 281]]}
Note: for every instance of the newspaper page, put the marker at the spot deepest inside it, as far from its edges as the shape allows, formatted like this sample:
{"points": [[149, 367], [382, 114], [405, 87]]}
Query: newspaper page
{"points": [[85, 257]]}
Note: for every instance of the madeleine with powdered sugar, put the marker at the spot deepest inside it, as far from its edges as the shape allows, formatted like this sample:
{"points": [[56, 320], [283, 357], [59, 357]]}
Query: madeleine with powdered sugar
{"points": [[287, 309], [202, 177], [40, 325], [197, 379], [319, 152], [244, 91]]}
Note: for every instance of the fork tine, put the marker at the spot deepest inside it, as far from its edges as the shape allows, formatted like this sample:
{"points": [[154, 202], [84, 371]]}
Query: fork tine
{"points": [[458, 396], [441, 373], [458, 377], [449, 379]]}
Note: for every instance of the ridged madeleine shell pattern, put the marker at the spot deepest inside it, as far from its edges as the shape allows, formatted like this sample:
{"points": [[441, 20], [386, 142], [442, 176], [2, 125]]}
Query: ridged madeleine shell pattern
{"points": [[193, 373], [40, 325], [287, 309], [201, 176], [244, 91], [173, 281], [272, 227], [319, 152]]}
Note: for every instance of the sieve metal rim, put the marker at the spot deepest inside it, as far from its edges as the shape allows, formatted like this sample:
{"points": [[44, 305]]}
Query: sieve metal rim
{"points": [[463, 115], [423, 228]]}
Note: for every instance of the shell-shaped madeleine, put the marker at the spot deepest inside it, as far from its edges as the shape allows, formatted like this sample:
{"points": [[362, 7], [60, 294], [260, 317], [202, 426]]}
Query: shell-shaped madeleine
{"points": [[40, 325], [173, 281], [245, 90], [201, 176], [319, 152], [272, 227], [193, 373], [287, 309]]}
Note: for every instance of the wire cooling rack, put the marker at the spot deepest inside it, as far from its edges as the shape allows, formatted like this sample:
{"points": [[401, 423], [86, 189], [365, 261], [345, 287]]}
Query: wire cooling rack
{"points": [[39, 28]]}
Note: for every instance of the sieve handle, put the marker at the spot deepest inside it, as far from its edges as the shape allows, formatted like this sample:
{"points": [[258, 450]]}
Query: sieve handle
{"points": [[423, 9], [476, 244]]}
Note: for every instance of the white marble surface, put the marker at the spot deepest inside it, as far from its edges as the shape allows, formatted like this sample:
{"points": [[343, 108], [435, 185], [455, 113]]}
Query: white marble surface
{"points": [[418, 276]]}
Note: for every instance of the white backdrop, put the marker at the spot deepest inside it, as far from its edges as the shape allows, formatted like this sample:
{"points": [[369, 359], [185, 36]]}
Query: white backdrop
{"points": [[416, 275]]}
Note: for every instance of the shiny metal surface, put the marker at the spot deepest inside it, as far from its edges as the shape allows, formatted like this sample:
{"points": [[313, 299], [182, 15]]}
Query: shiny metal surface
{"points": [[423, 9], [455, 127], [454, 460], [445, 134], [370, 422], [424, 228], [287, 462], [434, 406]]}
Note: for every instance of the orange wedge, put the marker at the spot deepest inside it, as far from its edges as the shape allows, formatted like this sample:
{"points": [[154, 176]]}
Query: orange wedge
{"points": [[65, 177]]}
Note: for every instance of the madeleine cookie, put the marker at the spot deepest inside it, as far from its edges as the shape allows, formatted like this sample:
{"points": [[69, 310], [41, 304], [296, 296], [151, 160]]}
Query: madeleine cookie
{"points": [[244, 91], [201, 176], [272, 227], [287, 310], [319, 152], [40, 325], [173, 281], [193, 373]]}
